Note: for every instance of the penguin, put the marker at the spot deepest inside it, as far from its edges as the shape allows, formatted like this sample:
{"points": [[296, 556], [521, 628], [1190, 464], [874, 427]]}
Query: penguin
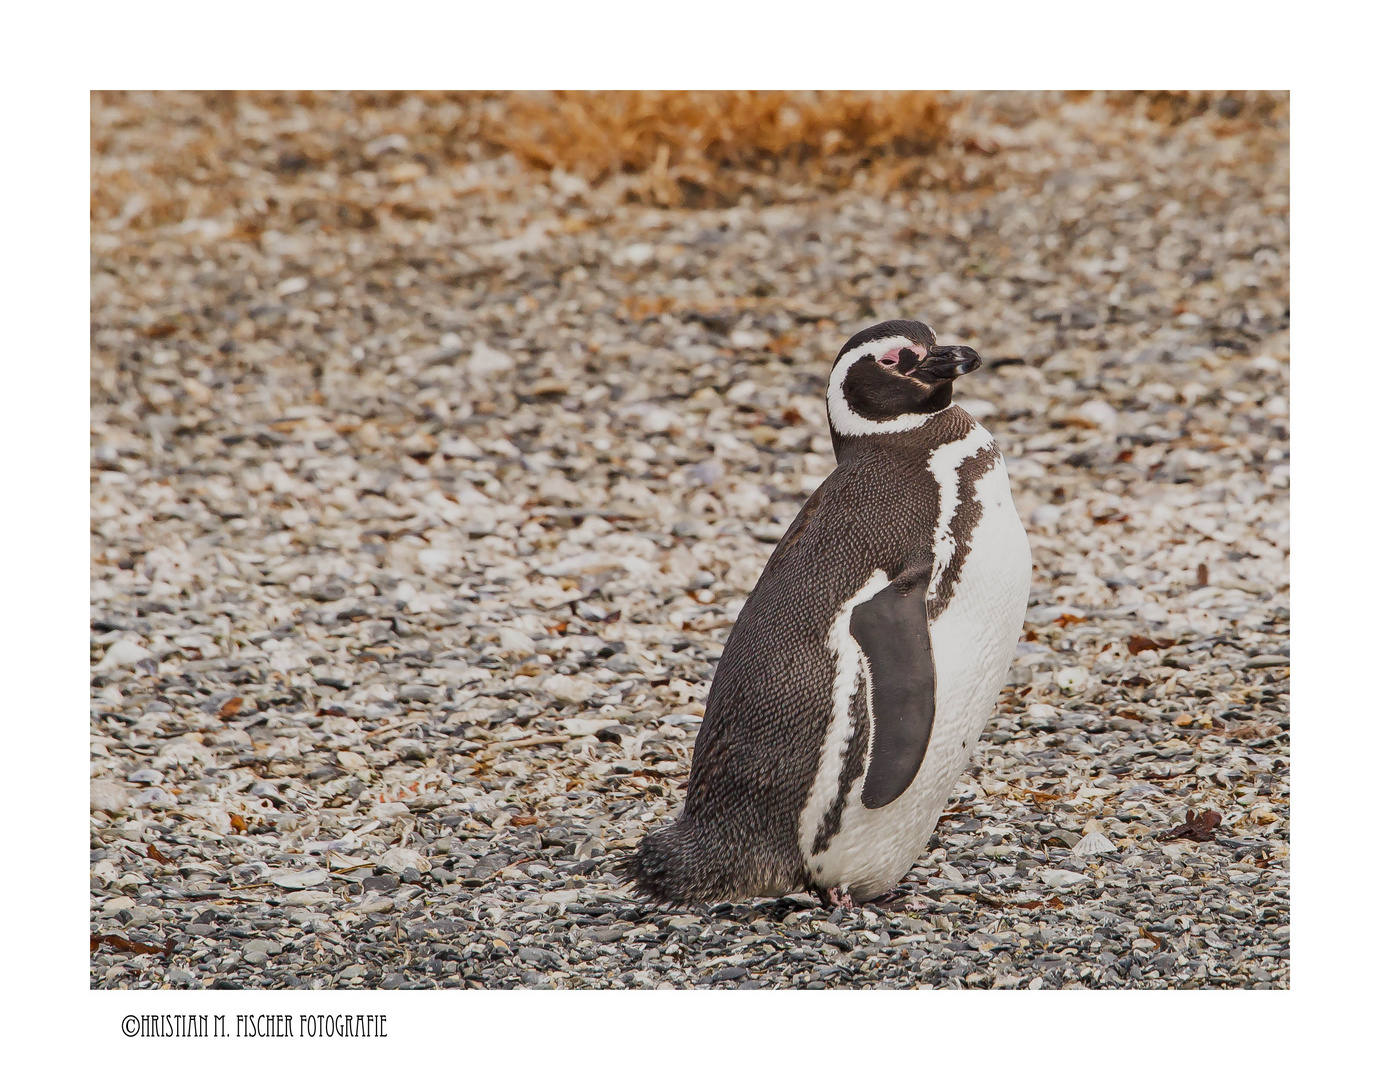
{"points": [[867, 659]]}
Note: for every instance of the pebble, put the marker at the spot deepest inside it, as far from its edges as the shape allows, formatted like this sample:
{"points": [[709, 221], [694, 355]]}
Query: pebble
{"points": [[486, 361], [465, 534], [122, 654], [108, 796], [308, 898], [299, 879], [1062, 879], [400, 859], [569, 690]]}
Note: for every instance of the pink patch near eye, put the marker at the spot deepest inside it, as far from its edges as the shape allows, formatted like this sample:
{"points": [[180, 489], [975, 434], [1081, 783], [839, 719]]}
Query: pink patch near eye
{"points": [[892, 358]]}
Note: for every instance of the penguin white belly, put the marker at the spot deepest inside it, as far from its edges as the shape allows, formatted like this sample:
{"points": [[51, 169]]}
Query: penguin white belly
{"points": [[972, 642]]}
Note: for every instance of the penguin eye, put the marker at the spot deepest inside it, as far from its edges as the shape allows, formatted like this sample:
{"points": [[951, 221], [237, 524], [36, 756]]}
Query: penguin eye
{"points": [[889, 360]]}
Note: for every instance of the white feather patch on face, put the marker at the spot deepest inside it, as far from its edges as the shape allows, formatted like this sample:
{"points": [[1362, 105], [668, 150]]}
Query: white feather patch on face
{"points": [[844, 420], [848, 667]]}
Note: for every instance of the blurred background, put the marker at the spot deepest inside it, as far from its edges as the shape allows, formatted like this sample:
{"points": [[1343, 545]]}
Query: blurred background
{"points": [[432, 428]]}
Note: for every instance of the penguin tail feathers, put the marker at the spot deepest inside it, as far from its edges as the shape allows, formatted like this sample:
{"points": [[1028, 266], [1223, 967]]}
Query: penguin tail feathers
{"points": [[660, 867]]}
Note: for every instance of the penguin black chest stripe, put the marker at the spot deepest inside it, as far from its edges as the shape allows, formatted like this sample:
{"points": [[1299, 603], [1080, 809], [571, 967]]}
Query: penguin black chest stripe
{"points": [[957, 468]]}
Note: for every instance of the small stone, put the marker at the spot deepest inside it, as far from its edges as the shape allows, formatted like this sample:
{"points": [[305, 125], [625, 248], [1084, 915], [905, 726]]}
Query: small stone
{"points": [[145, 776], [428, 695], [387, 811], [109, 796], [122, 653], [1062, 838], [707, 472], [571, 690], [307, 898], [1099, 412], [486, 362], [656, 420], [393, 980], [728, 974], [1072, 680], [1062, 879], [299, 879], [542, 958], [635, 255], [399, 859]]}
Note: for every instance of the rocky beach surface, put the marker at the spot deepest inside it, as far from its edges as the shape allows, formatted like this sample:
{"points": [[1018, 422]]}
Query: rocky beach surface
{"points": [[425, 493]]}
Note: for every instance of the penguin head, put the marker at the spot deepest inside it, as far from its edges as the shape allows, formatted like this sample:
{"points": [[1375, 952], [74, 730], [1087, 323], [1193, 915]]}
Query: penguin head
{"points": [[892, 377]]}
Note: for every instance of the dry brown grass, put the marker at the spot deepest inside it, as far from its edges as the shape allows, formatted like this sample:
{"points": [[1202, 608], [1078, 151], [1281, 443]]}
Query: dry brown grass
{"points": [[163, 158], [709, 146], [252, 161]]}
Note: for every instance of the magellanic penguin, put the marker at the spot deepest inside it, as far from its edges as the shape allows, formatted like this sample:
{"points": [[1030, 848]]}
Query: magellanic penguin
{"points": [[859, 675]]}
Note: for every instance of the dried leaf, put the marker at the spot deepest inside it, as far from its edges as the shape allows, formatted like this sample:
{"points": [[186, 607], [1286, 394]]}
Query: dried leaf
{"points": [[237, 823], [231, 707], [1138, 644], [120, 944], [158, 856], [161, 329], [1197, 827], [526, 819]]}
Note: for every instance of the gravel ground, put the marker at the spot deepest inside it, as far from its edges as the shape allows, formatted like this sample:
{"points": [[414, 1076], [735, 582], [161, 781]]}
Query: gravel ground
{"points": [[416, 539]]}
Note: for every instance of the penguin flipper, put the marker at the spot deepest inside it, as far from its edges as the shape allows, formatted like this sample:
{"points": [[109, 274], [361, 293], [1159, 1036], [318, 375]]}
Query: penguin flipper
{"points": [[893, 631]]}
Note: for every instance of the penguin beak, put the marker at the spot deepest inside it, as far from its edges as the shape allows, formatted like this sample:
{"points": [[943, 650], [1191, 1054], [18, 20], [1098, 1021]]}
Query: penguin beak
{"points": [[944, 363]]}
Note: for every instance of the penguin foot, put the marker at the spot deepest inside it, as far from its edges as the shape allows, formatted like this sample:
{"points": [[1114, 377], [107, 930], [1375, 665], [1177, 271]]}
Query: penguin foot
{"points": [[834, 897]]}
